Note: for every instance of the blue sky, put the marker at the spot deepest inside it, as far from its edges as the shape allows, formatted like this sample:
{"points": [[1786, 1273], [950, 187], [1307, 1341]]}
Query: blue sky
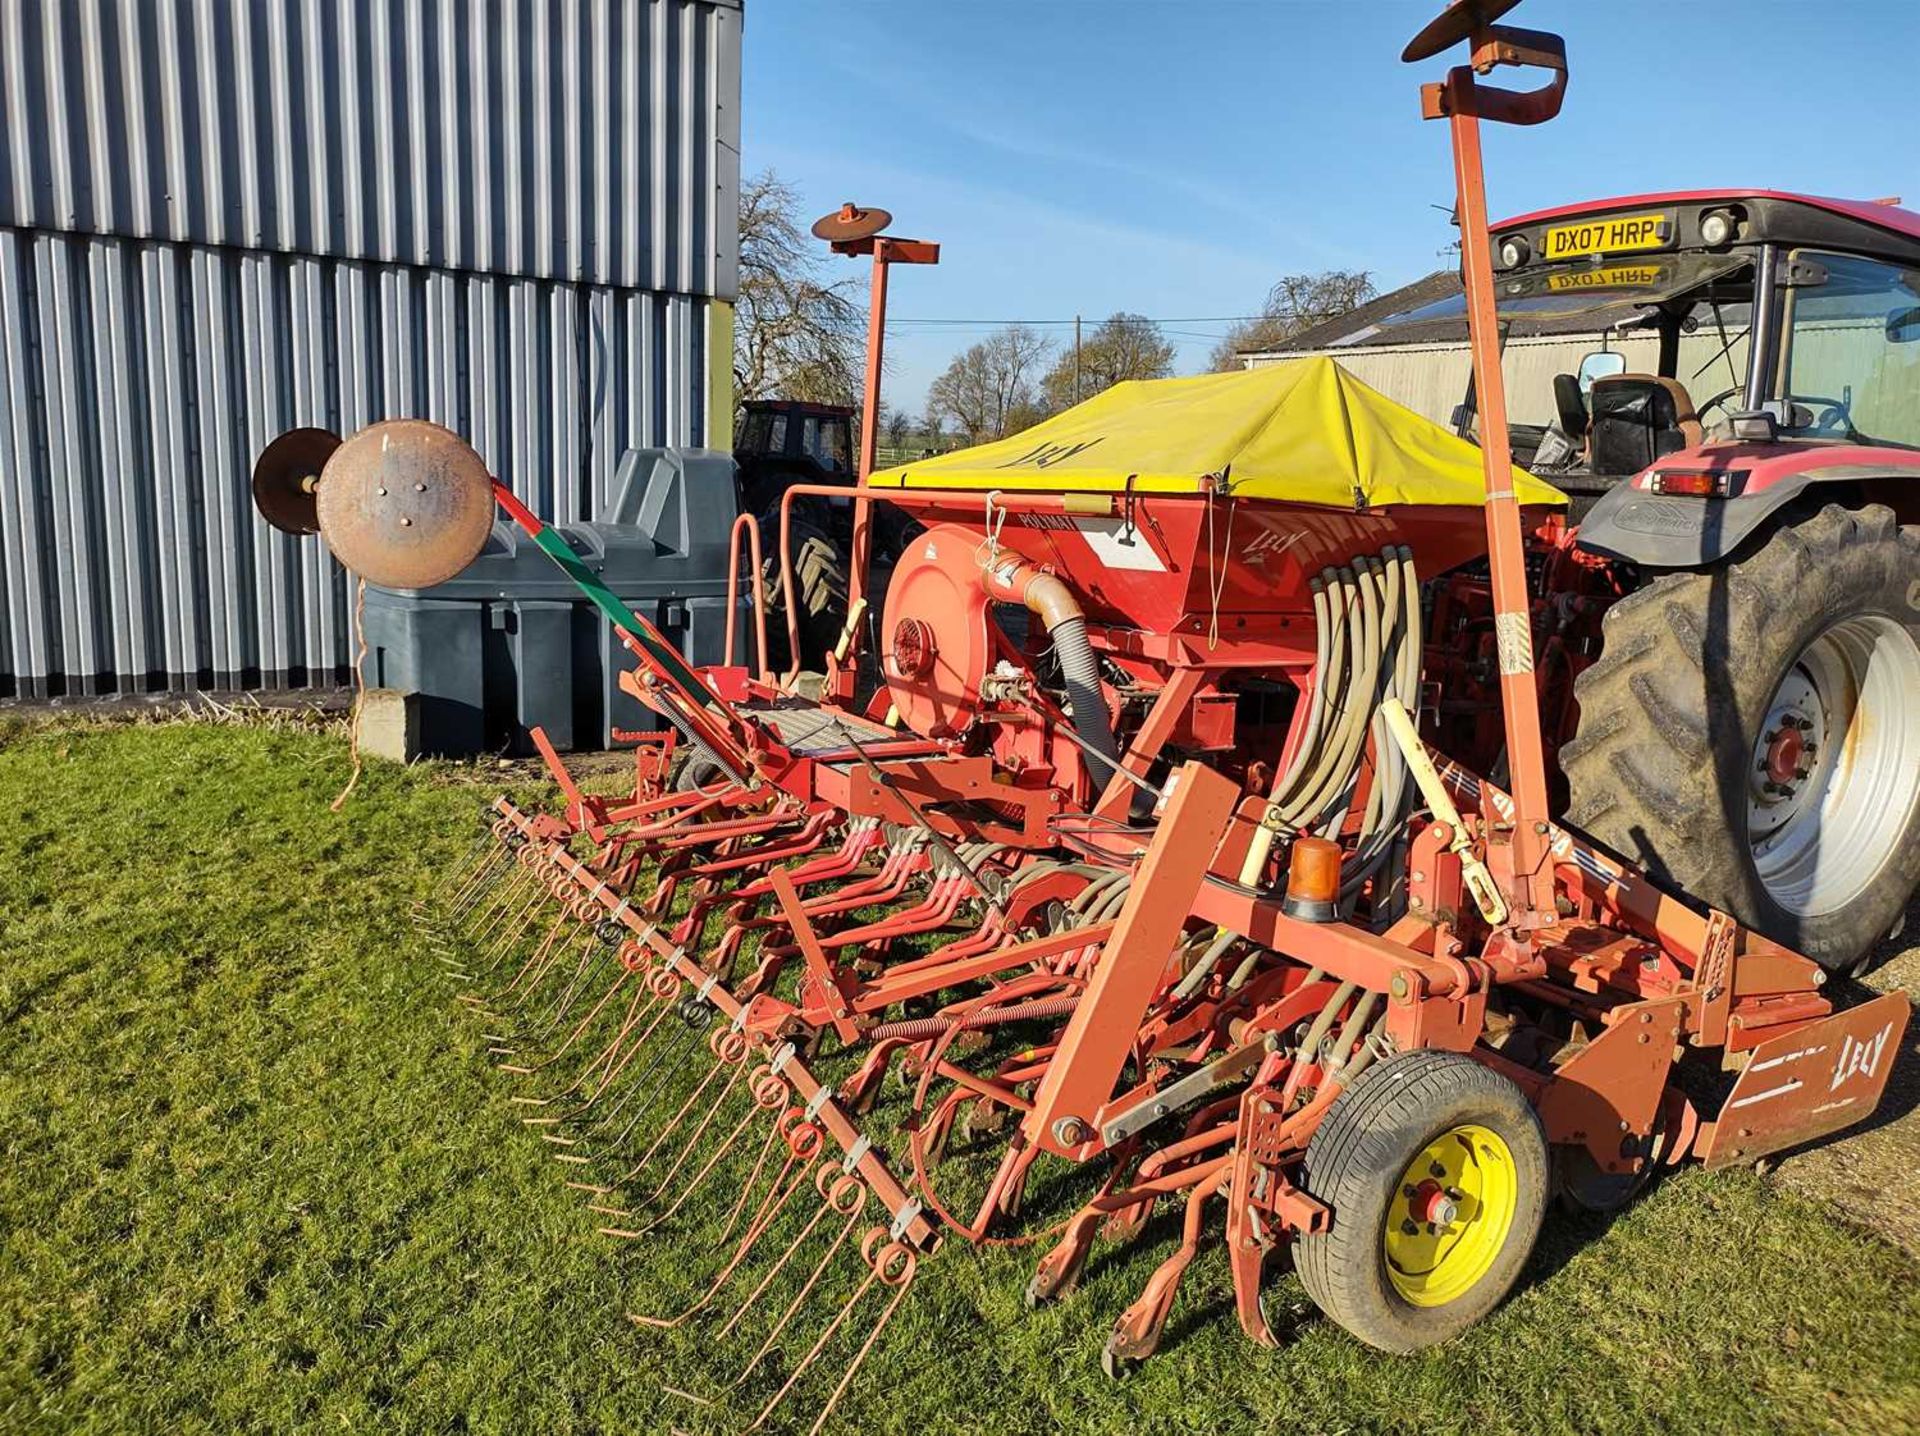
{"points": [[1174, 157]]}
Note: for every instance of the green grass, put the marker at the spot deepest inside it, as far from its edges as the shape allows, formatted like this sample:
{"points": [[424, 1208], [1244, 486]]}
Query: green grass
{"points": [[257, 1177]]}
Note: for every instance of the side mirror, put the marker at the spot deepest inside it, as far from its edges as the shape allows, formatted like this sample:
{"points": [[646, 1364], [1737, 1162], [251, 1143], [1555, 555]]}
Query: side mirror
{"points": [[1602, 364], [1903, 326]]}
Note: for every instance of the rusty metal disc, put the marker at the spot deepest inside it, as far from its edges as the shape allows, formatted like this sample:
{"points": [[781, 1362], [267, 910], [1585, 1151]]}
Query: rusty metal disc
{"points": [[406, 504], [1454, 24], [286, 477], [850, 222]]}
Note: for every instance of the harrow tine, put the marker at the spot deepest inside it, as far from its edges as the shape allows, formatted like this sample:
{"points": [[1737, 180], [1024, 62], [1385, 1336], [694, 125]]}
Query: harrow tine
{"points": [[508, 1044], [853, 1205], [537, 961], [650, 1076], [454, 882], [893, 1265], [481, 854], [734, 1066], [591, 952], [492, 902], [492, 871], [780, 1191], [598, 951], [761, 1096], [496, 945], [685, 1047], [822, 1175], [713, 1161], [609, 1059], [458, 928], [619, 980]]}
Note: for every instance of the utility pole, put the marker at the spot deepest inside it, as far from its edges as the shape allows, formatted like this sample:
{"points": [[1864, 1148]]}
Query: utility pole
{"points": [[1076, 358]]}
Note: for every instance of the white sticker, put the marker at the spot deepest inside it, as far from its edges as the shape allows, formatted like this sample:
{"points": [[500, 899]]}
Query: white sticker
{"points": [[1515, 639], [1119, 544]]}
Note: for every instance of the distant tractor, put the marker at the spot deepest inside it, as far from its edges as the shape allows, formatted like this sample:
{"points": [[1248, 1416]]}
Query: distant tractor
{"points": [[784, 442], [787, 442]]}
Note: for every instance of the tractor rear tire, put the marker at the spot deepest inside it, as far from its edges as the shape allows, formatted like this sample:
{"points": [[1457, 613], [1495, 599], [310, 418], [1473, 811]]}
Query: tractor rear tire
{"points": [[1685, 765], [819, 592], [1414, 1122]]}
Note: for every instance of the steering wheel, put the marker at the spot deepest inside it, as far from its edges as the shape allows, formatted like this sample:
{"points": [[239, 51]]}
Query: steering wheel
{"points": [[1834, 419], [1700, 410]]}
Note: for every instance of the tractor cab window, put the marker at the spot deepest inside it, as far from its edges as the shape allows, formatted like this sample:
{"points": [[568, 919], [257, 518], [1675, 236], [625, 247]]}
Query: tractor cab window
{"points": [[765, 432], [824, 440], [1683, 318], [1853, 349]]}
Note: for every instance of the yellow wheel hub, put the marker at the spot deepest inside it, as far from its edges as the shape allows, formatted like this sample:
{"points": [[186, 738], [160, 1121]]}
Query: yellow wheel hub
{"points": [[1451, 1215]]}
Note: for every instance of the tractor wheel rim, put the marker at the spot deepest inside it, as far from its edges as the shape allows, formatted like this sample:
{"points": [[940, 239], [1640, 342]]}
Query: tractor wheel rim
{"points": [[1835, 773], [1450, 1215]]}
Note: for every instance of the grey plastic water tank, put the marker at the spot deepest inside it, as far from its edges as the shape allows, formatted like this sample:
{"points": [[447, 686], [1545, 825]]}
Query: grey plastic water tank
{"points": [[511, 643]]}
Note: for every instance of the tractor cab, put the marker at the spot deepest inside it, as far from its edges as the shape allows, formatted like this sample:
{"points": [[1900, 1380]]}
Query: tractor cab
{"points": [[1730, 328], [785, 442]]}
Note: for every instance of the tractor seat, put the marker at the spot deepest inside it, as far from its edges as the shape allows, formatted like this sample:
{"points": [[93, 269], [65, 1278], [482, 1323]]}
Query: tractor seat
{"points": [[1637, 418], [1570, 407]]}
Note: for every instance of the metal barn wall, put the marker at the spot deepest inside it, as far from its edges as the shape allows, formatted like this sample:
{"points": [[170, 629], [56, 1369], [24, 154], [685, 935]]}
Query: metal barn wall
{"points": [[1431, 379], [223, 218], [588, 140]]}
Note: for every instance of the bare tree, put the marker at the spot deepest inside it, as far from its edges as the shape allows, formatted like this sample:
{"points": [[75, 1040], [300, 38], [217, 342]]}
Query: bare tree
{"points": [[1296, 303], [894, 424], [990, 390], [795, 335], [1124, 346], [933, 427]]}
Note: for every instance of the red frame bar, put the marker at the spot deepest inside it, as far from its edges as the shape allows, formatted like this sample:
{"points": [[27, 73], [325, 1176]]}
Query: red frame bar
{"points": [[1101, 1031]]}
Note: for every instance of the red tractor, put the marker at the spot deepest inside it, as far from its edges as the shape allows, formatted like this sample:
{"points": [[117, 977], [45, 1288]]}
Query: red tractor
{"points": [[1745, 662]]}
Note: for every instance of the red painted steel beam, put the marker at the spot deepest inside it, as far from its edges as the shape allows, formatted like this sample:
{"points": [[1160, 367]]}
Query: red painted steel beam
{"points": [[1463, 104], [1100, 1034]]}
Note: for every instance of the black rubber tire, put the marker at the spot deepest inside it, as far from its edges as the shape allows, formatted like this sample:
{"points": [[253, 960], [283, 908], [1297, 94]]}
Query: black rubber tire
{"points": [[1354, 1164], [694, 771], [1669, 715], [819, 592]]}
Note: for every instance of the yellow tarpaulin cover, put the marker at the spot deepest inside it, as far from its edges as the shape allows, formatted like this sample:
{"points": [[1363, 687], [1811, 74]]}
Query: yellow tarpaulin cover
{"points": [[1307, 432]]}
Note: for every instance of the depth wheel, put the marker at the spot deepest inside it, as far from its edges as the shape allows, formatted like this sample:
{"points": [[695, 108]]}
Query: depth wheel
{"points": [[1436, 1170], [694, 771], [1583, 1186], [1747, 734]]}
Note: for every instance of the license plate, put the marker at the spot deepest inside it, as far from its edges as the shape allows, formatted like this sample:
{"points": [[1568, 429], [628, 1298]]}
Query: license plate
{"points": [[1616, 234], [1611, 276]]}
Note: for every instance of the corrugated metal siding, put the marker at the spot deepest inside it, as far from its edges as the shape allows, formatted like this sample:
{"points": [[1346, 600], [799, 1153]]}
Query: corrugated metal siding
{"points": [[223, 218], [144, 378], [1431, 379], [589, 140]]}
